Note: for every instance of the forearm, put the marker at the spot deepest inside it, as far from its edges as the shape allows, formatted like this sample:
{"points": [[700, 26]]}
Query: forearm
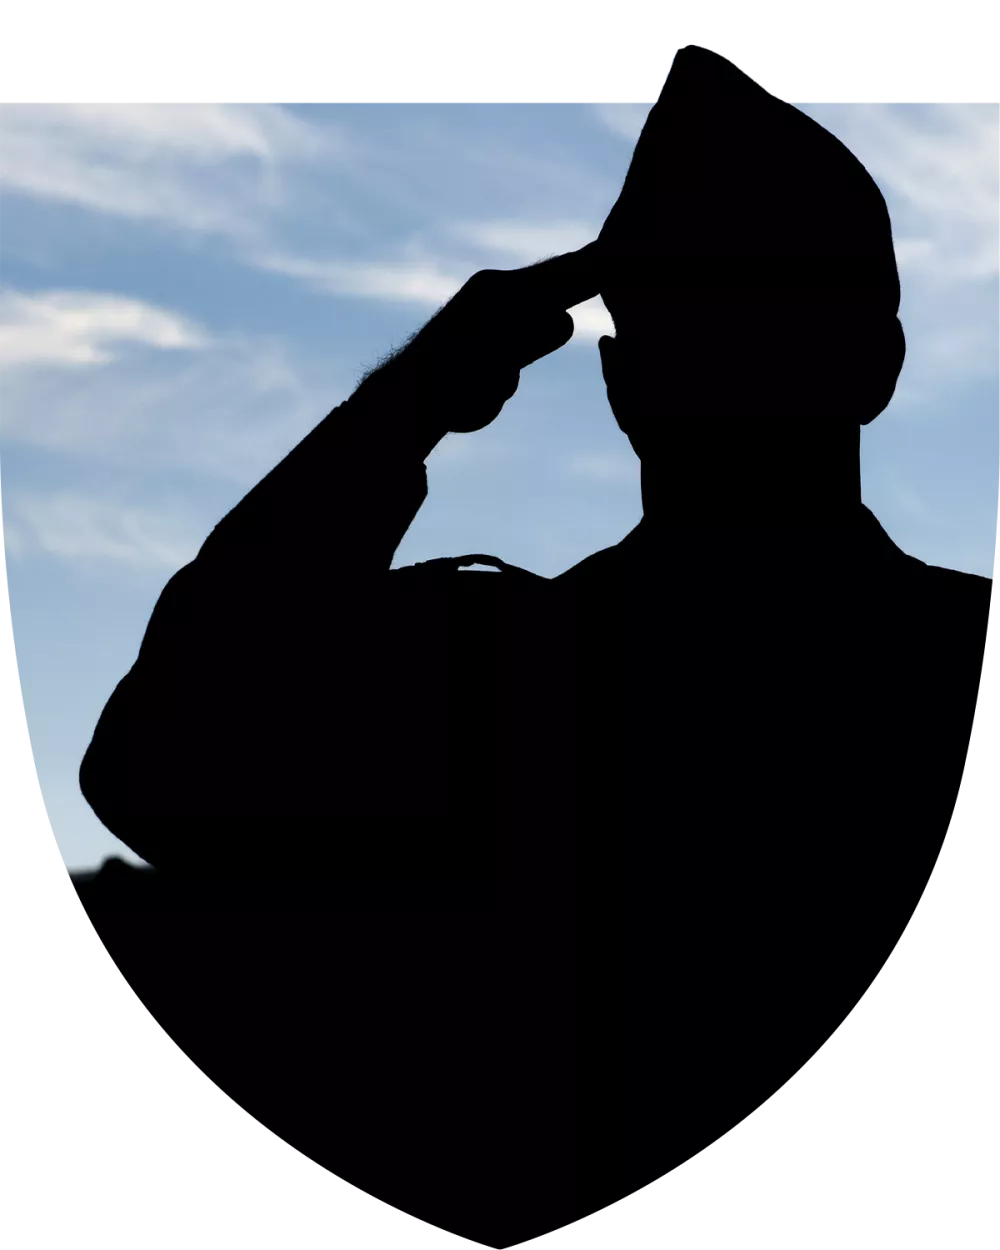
{"points": [[347, 493]]}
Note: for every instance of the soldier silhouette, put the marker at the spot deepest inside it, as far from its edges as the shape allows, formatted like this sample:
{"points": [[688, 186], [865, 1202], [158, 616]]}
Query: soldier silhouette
{"points": [[499, 895]]}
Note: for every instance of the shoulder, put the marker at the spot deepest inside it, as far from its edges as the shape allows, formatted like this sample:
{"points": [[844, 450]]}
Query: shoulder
{"points": [[965, 594], [970, 586]]}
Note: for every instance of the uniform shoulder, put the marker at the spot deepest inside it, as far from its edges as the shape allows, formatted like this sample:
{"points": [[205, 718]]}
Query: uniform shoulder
{"points": [[970, 587]]}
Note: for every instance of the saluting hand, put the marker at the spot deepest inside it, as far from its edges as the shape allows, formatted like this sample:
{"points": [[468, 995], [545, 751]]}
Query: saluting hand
{"points": [[467, 360]]}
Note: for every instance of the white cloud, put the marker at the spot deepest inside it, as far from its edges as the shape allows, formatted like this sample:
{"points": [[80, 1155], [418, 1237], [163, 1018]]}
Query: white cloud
{"points": [[523, 242], [407, 282], [591, 320], [230, 411], [624, 120], [950, 341], [527, 176], [937, 167], [77, 528], [965, 349], [936, 164], [426, 281], [914, 254], [79, 327], [202, 167]]}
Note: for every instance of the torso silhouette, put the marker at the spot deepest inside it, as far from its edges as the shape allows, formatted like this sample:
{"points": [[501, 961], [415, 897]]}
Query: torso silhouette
{"points": [[579, 870]]}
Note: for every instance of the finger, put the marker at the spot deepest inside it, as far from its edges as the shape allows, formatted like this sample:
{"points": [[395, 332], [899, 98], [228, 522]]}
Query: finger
{"points": [[543, 338], [563, 281]]}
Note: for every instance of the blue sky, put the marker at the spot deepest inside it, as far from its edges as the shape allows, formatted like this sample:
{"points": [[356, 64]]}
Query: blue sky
{"points": [[187, 289]]}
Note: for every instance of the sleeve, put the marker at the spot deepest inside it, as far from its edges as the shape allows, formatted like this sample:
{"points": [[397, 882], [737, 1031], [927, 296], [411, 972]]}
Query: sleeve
{"points": [[263, 688]]}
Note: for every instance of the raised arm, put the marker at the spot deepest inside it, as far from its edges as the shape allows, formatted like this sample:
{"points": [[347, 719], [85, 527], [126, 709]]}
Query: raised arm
{"points": [[264, 702]]}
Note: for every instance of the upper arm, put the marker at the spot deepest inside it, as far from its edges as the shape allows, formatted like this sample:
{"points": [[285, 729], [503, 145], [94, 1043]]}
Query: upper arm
{"points": [[318, 735]]}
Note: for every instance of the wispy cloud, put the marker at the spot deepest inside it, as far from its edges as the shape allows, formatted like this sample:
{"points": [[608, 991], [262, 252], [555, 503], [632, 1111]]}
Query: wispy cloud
{"points": [[425, 282], [624, 120], [963, 345], [937, 167], [936, 164], [430, 281], [79, 328], [79, 529], [230, 410], [545, 180], [524, 242], [950, 344], [201, 167]]}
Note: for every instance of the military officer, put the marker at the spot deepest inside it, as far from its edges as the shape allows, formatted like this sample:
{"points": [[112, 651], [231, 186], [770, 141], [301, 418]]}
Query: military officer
{"points": [[500, 896]]}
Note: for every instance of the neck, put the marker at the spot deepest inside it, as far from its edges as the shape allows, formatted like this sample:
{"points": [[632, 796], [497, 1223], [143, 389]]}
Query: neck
{"points": [[804, 487]]}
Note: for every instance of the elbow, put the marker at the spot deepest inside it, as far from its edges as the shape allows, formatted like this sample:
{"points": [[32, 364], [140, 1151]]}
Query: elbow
{"points": [[108, 779]]}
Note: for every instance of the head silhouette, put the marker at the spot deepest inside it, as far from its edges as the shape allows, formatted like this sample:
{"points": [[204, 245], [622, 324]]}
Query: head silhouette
{"points": [[749, 269]]}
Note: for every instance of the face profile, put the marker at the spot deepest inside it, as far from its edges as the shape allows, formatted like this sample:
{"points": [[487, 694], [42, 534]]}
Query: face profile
{"points": [[859, 362]]}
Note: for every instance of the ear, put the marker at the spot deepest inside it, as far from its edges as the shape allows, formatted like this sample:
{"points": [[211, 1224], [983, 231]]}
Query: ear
{"points": [[889, 352]]}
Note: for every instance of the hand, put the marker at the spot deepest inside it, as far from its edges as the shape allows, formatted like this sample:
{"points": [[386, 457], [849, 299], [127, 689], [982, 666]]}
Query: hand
{"points": [[467, 360]]}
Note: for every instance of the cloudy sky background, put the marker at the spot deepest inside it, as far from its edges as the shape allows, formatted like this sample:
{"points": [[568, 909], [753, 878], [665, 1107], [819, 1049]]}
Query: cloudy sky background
{"points": [[187, 290]]}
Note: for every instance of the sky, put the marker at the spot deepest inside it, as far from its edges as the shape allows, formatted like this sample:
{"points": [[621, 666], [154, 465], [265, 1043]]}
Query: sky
{"points": [[186, 290]]}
